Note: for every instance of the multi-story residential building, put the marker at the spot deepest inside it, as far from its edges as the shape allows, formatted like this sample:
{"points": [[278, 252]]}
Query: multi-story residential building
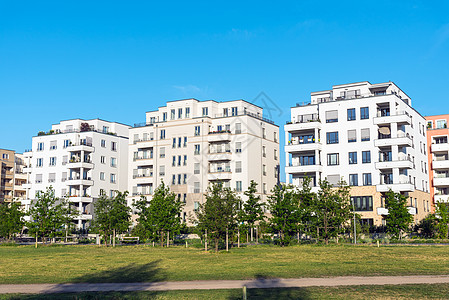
{"points": [[366, 134], [80, 159], [438, 150], [12, 177], [189, 144]]}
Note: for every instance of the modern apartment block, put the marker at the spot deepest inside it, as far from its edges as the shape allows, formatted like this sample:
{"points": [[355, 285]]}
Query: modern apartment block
{"points": [[81, 159], [438, 149], [368, 135], [189, 143], [12, 177]]}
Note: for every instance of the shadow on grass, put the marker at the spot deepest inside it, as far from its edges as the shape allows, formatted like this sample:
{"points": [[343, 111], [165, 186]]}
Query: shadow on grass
{"points": [[273, 294]]}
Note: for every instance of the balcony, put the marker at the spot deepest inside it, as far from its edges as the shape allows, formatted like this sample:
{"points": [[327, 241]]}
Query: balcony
{"points": [[309, 169], [441, 198], [219, 136], [400, 118], [292, 147], [26, 185], [444, 147], [440, 164], [299, 126], [382, 211], [27, 169], [143, 160], [395, 187], [78, 181], [77, 164], [219, 176], [400, 140], [87, 147], [143, 179], [393, 164], [412, 210], [219, 156], [83, 217], [77, 199], [441, 181]]}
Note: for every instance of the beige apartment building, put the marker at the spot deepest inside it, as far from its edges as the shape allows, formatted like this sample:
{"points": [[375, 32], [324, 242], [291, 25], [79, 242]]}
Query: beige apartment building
{"points": [[12, 177], [189, 144]]}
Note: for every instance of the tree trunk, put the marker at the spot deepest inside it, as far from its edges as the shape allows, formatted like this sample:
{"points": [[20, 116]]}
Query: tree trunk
{"points": [[168, 239], [251, 233], [227, 239], [162, 239], [205, 241], [247, 236], [238, 238], [216, 245], [113, 238], [36, 241], [257, 235]]}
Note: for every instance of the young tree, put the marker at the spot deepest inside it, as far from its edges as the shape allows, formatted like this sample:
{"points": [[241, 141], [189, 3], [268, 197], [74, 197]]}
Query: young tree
{"points": [[161, 214], [11, 219], [306, 213], [112, 215], [442, 215], [218, 215], [284, 207], [332, 209], [252, 209], [48, 214], [398, 218]]}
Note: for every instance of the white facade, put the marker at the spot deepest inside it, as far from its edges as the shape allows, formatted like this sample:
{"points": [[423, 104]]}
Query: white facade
{"points": [[80, 159], [190, 143], [366, 134]]}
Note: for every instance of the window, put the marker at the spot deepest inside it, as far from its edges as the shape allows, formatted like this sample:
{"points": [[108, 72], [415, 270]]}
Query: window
{"points": [[197, 149], [102, 176], [179, 178], [197, 130], [185, 160], [38, 178], [351, 114], [264, 153], [185, 142], [332, 137], [264, 185], [264, 133], [238, 186], [173, 180], [196, 187], [352, 158], [184, 198], [366, 157], [172, 114], [179, 113], [52, 145], [307, 160], [40, 146], [331, 116], [173, 161], [162, 134], [114, 146], [51, 177], [111, 193], [187, 112], [352, 136], [113, 178], [174, 143], [205, 111], [65, 159], [353, 179], [184, 181], [113, 162], [364, 113], [275, 154], [238, 147], [362, 203], [332, 159], [66, 143], [179, 142], [264, 170], [39, 162], [366, 178], [103, 159], [238, 128], [196, 205], [275, 137], [53, 161], [103, 143], [238, 167], [196, 168], [234, 111], [429, 124], [162, 152], [225, 112], [105, 129], [136, 138], [161, 170], [365, 134], [179, 160], [164, 117]]}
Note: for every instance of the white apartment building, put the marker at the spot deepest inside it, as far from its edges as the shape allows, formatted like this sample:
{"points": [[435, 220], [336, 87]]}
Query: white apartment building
{"points": [[366, 134], [189, 144], [81, 159]]}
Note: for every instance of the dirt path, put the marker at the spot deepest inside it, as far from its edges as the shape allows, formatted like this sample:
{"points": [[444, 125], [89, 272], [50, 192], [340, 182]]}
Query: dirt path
{"points": [[218, 284]]}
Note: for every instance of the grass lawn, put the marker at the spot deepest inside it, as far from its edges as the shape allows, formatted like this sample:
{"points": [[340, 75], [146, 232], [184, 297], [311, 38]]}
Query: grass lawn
{"points": [[61, 264], [420, 291]]}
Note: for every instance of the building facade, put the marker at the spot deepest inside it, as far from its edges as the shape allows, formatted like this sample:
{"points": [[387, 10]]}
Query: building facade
{"points": [[12, 177], [80, 159], [189, 144], [438, 149], [368, 135]]}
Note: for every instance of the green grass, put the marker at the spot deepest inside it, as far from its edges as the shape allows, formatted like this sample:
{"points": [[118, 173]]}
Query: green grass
{"points": [[420, 291], [61, 264]]}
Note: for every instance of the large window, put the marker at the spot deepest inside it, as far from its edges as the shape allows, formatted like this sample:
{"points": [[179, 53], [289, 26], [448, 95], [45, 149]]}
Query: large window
{"points": [[332, 159], [366, 157], [197, 130], [352, 158], [353, 179], [367, 179], [352, 136], [364, 113], [162, 134], [351, 114], [441, 124], [365, 134], [362, 203], [332, 137], [306, 160], [331, 116]]}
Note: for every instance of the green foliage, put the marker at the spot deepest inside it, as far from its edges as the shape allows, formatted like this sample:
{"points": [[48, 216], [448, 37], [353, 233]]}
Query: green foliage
{"points": [[160, 215], [112, 215], [219, 213], [427, 227], [48, 214], [398, 218], [442, 214], [11, 219], [285, 215], [252, 208]]}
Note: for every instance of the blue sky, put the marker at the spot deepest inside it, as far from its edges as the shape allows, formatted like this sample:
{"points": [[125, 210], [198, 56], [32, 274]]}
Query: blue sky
{"points": [[117, 59]]}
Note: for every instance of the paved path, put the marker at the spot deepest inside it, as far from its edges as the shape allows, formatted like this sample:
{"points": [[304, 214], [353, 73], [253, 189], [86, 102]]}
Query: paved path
{"points": [[218, 284]]}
